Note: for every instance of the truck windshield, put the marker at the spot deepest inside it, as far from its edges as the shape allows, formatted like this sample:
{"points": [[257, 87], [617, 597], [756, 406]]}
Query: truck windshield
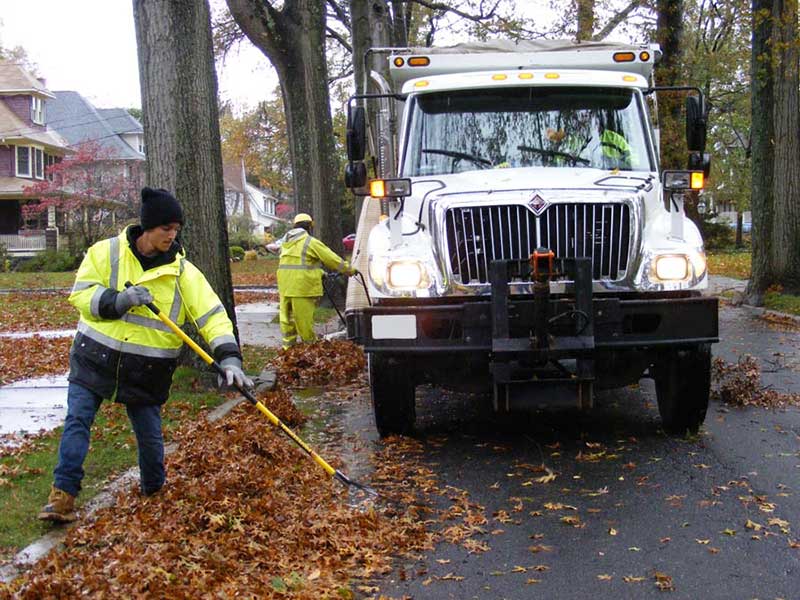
{"points": [[570, 127]]}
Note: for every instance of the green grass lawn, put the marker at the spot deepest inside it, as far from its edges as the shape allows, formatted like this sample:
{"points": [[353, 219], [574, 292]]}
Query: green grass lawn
{"points": [[25, 477]]}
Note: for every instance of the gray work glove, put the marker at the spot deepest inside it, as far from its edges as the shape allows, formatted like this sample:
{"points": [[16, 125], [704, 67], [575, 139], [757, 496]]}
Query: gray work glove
{"points": [[136, 295], [233, 373]]}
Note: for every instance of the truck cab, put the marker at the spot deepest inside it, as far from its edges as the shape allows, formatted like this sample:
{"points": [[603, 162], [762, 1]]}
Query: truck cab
{"points": [[522, 234]]}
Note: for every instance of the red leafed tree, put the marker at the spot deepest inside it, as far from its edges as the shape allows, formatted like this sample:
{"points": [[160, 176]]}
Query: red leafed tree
{"points": [[91, 192]]}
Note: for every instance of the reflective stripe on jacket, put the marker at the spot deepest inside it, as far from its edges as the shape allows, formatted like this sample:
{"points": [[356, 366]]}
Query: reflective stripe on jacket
{"points": [[135, 355], [300, 267]]}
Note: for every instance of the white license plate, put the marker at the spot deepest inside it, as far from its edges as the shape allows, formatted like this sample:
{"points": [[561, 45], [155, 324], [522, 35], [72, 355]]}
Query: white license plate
{"points": [[394, 327]]}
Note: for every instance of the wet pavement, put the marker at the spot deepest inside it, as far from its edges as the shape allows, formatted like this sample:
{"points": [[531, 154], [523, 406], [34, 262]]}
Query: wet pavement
{"points": [[716, 516], [32, 405]]}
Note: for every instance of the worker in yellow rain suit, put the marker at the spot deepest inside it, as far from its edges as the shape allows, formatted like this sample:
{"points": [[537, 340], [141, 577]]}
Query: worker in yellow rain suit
{"points": [[616, 147], [300, 279]]}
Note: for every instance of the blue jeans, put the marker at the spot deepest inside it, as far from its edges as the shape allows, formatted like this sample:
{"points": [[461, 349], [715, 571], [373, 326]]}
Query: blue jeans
{"points": [[82, 406]]}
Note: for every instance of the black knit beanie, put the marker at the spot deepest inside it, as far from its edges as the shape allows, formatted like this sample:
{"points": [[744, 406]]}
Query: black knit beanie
{"points": [[159, 207]]}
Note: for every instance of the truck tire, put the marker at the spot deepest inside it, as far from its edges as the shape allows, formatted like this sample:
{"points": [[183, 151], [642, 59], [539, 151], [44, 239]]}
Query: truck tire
{"points": [[683, 383], [393, 394]]}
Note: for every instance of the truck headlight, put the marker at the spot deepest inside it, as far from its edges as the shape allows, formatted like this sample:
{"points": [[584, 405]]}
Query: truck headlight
{"points": [[407, 275], [672, 267]]}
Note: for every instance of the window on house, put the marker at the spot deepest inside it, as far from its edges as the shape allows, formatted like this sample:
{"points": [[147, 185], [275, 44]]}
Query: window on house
{"points": [[23, 161], [140, 139], [37, 110], [49, 161], [39, 162]]}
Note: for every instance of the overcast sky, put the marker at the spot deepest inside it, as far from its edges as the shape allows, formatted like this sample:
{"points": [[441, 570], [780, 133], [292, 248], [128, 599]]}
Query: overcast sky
{"points": [[89, 46]]}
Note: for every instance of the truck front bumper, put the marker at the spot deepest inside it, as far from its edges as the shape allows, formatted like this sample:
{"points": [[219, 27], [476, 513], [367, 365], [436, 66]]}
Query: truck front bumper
{"points": [[621, 322]]}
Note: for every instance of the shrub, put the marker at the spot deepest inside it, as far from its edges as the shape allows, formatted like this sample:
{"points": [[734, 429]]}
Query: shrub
{"points": [[250, 255], [717, 235], [236, 252], [51, 261]]}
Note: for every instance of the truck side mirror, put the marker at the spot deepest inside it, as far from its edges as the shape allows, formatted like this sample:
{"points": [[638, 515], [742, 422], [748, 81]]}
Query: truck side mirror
{"points": [[695, 124], [356, 133], [700, 161], [355, 176]]}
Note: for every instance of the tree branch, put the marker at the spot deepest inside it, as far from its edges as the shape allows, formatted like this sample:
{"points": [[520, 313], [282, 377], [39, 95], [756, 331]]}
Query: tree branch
{"points": [[333, 34], [340, 13], [616, 20], [445, 8]]}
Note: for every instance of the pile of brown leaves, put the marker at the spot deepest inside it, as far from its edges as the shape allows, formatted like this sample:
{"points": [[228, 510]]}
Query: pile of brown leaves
{"points": [[36, 311], [252, 297], [322, 363], [244, 514], [21, 358], [739, 384], [245, 279]]}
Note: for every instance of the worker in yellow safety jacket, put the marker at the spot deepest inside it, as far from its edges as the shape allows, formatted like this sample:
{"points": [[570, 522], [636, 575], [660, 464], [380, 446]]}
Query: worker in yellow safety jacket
{"points": [[123, 351], [302, 257]]}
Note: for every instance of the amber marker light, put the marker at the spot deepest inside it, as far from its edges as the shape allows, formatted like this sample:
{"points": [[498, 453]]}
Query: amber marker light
{"points": [[644, 56], [499, 77], [628, 78], [377, 188], [551, 75], [698, 180], [525, 75], [419, 61], [399, 61], [624, 57], [422, 83]]}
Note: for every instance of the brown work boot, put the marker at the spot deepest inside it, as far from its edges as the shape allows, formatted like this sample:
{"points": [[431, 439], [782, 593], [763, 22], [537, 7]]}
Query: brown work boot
{"points": [[60, 507]]}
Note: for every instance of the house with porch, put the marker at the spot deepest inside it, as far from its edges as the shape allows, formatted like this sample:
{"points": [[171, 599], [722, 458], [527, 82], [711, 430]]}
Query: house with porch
{"points": [[28, 146], [243, 198]]}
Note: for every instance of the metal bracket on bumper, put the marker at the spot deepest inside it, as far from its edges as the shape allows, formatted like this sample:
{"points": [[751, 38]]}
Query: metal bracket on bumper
{"points": [[526, 361]]}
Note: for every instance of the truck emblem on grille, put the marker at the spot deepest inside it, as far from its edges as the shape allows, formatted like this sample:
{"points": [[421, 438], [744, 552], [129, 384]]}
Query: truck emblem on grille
{"points": [[537, 204]]}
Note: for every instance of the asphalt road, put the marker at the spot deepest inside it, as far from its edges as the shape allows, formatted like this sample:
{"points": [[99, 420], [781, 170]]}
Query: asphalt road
{"points": [[717, 516]]}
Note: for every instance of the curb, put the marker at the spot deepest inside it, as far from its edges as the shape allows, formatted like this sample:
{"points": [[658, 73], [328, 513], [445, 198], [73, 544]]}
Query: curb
{"points": [[28, 556]]}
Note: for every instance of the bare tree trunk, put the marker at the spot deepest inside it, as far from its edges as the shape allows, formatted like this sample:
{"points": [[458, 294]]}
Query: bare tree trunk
{"points": [[585, 20], [775, 149], [181, 127], [669, 34], [785, 254], [293, 39]]}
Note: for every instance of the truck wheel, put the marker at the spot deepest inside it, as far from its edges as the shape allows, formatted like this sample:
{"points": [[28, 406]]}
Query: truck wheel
{"points": [[683, 382], [392, 397]]}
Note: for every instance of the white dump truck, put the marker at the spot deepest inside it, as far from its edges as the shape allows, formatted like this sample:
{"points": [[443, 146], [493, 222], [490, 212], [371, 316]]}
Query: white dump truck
{"points": [[518, 231]]}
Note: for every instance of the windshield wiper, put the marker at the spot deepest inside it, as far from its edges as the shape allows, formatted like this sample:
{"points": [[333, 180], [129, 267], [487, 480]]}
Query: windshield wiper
{"points": [[478, 160], [555, 153]]}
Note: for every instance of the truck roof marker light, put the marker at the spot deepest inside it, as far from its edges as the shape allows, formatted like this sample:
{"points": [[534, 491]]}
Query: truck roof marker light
{"points": [[697, 182], [422, 83], [419, 61], [644, 56], [628, 78], [525, 75], [551, 75], [624, 57], [399, 61], [499, 76]]}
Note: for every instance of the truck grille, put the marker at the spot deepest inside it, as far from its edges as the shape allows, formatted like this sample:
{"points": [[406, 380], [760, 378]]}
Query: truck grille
{"points": [[478, 235]]}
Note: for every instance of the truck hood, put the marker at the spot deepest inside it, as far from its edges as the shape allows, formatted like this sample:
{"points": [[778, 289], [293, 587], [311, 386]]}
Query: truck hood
{"points": [[532, 178]]}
